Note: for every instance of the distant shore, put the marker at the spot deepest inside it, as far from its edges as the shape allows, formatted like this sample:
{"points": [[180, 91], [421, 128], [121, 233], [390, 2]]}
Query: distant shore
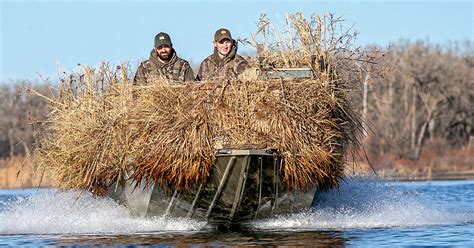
{"points": [[437, 176], [412, 173], [19, 172]]}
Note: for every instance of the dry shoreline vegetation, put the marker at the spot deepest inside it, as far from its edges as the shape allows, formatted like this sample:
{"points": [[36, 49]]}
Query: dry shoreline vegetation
{"points": [[101, 126]]}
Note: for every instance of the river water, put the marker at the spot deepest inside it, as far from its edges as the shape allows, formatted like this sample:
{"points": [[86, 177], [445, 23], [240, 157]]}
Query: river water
{"points": [[361, 213]]}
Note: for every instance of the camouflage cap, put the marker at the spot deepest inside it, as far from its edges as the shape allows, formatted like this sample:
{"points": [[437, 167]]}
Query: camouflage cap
{"points": [[162, 39], [221, 34]]}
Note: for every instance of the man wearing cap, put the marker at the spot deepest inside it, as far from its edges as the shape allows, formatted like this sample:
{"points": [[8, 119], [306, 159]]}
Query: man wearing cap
{"points": [[164, 62], [224, 62]]}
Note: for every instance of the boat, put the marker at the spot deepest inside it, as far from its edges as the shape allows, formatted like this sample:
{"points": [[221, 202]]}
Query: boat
{"points": [[244, 185]]}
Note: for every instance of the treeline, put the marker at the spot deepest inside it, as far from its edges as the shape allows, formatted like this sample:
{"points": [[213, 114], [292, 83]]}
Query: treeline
{"points": [[417, 93], [422, 93], [20, 112]]}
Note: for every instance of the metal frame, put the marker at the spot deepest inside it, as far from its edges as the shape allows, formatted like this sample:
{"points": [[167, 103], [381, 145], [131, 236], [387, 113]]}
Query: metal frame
{"points": [[172, 203], [260, 182], [221, 185], [240, 189], [232, 152], [194, 204], [276, 182]]}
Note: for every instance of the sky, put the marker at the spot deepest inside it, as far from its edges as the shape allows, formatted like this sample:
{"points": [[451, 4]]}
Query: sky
{"points": [[38, 37]]}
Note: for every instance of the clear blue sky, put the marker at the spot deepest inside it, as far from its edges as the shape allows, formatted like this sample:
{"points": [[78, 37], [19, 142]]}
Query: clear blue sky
{"points": [[37, 36]]}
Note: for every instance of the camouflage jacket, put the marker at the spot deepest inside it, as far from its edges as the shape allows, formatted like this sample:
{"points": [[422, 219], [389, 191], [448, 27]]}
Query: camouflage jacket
{"points": [[213, 67], [176, 69]]}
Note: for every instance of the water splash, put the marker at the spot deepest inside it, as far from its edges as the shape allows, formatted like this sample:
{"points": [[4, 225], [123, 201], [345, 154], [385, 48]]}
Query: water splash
{"points": [[357, 204], [369, 204], [52, 212]]}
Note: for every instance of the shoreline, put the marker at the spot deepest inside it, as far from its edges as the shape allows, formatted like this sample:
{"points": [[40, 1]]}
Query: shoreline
{"points": [[419, 177], [20, 172]]}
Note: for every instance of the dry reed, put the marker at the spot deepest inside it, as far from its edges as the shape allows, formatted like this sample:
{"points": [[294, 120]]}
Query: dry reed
{"points": [[102, 126], [181, 124], [85, 142]]}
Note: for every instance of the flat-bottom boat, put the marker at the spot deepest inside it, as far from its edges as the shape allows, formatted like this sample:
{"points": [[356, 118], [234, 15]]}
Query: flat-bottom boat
{"points": [[244, 185]]}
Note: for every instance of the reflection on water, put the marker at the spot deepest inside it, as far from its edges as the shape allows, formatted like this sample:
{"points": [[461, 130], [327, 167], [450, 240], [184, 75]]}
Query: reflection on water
{"points": [[361, 212], [213, 238]]}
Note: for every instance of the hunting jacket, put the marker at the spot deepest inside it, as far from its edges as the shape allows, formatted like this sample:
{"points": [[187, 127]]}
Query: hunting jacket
{"points": [[176, 69], [213, 67]]}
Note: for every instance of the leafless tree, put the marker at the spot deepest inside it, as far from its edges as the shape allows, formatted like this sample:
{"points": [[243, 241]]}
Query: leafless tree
{"points": [[18, 111]]}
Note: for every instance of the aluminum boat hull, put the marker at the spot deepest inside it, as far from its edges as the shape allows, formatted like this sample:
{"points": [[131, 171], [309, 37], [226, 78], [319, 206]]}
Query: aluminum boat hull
{"points": [[244, 185]]}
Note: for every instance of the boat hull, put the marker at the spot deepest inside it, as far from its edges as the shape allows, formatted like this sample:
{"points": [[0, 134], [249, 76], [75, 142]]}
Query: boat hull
{"points": [[244, 185]]}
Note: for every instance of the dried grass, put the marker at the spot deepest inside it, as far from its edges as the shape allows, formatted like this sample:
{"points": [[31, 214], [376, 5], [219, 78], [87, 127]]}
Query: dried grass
{"points": [[101, 126], [86, 140]]}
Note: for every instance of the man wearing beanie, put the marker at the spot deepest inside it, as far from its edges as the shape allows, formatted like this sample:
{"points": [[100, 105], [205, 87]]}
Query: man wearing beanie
{"points": [[164, 62], [224, 62]]}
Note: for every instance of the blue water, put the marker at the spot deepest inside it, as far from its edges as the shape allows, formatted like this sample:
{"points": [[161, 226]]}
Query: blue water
{"points": [[361, 213]]}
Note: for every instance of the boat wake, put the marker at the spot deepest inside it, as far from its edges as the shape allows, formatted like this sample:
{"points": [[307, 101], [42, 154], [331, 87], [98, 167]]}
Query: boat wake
{"points": [[52, 212], [357, 204], [369, 204]]}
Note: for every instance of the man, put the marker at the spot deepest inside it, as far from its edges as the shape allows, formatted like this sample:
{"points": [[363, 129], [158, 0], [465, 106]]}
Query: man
{"points": [[164, 62], [225, 62]]}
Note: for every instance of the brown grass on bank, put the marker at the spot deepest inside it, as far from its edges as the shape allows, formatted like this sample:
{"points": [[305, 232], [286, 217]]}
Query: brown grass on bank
{"points": [[102, 127], [20, 172], [436, 158]]}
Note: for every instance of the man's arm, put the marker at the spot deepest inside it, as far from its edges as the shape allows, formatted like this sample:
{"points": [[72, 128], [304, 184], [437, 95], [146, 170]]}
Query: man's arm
{"points": [[188, 73], [199, 75], [140, 75], [241, 65]]}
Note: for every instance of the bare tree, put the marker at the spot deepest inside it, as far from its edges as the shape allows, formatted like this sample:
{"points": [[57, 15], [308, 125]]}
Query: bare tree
{"points": [[18, 111], [428, 94]]}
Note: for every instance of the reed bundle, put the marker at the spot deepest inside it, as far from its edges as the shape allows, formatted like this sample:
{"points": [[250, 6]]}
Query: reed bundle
{"points": [[85, 141], [101, 126], [182, 125]]}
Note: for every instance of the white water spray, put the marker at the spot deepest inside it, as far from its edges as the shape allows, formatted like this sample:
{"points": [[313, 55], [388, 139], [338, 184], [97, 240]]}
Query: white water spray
{"points": [[357, 204], [368, 204], [52, 212]]}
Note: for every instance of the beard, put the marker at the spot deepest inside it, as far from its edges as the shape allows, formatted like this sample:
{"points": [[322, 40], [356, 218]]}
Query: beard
{"points": [[164, 55]]}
